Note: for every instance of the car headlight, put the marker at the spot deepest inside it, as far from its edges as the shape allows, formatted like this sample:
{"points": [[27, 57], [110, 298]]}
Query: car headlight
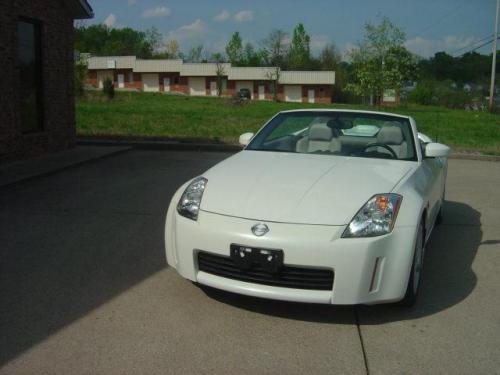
{"points": [[189, 204], [376, 217]]}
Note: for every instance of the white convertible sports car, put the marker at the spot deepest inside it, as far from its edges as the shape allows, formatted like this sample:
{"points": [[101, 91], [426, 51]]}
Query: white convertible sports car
{"points": [[321, 206]]}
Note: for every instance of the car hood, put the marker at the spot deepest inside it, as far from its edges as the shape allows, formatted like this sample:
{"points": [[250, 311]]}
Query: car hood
{"points": [[298, 188]]}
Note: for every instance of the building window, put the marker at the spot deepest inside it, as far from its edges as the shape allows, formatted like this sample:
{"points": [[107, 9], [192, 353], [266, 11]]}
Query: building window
{"points": [[30, 70]]}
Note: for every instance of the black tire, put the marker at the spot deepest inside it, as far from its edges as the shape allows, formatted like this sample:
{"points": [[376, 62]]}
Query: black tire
{"points": [[415, 280], [439, 217]]}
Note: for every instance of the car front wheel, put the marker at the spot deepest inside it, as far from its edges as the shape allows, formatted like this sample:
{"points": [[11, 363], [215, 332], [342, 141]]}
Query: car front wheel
{"points": [[416, 269]]}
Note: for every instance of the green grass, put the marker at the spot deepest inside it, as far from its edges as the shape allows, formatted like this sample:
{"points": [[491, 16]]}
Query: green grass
{"points": [[217, 120]]}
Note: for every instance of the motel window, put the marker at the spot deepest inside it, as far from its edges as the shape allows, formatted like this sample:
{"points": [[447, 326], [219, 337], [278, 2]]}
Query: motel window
{"points": [[30, 70]]}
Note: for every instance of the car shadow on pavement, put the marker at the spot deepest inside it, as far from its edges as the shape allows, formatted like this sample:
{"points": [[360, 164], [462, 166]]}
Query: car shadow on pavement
{"points": [[448, 279]]}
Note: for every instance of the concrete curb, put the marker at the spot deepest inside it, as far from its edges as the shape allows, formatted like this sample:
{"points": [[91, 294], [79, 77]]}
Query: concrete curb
{"points": [[221, 147], [480, 157], [162, 145], [36, 173]]}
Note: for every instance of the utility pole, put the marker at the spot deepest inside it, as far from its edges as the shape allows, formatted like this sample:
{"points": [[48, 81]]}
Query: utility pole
{"points": [[494, 60]]}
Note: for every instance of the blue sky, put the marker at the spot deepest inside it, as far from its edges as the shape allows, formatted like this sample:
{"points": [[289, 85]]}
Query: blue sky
{"points": [[431, 25]]}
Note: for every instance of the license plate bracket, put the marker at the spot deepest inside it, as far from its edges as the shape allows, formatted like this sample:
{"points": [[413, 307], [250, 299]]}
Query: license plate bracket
{"points": [[246, 257]]}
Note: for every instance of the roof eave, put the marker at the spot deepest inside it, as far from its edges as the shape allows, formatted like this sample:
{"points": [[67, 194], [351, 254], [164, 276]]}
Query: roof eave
{"points": [[83, 11]]}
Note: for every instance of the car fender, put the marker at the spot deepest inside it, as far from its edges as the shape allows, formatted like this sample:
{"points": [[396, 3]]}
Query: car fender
{"points": [[170, 226], [413, 208]]}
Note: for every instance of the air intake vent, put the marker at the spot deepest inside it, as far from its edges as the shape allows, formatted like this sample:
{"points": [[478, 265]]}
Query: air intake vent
{"points": [[288, 277]]}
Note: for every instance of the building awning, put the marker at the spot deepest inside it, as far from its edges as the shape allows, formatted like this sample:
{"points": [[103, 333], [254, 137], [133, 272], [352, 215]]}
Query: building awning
{"points": [[111, 62], [157, 66], [307, 78], [252, 73], [202, 69]]}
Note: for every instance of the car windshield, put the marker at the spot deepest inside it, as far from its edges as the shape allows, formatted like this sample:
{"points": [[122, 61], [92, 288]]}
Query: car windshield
{"points": [[338, 133]]}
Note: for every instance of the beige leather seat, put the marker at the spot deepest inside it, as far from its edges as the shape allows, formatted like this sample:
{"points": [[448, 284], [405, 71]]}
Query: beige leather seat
{"points": [[319, 138], [393, 137]]}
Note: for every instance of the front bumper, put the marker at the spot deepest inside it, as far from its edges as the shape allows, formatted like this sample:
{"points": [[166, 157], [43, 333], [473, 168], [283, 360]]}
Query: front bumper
{"points": [[366, 270]]}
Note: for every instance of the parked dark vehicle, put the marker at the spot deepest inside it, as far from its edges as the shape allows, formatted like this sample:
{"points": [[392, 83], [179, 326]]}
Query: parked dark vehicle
{"points": [[245, 94]]}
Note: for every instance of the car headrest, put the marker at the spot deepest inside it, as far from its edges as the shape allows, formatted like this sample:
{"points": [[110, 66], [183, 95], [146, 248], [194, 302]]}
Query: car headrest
{"points": [[390, 135], [320, 132]]}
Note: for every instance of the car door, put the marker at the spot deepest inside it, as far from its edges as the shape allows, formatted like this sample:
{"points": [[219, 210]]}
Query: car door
{"points": [[435, 172]]}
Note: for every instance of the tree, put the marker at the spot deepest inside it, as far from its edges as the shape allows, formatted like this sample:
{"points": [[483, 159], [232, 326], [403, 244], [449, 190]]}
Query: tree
{"points": [[330, 57], [220, 71], [250, 56], [108, 88], [80, 75], [300, 52], [91, 39], [172, 49], [102, 40], [195, 54], [381, 61], [274, 76], [234, 49], [275, 48], [154, 38], [399, 67]]}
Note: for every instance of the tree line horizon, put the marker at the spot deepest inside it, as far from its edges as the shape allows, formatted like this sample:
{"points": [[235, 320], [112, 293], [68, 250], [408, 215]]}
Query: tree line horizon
{"points": [[378, 62]]}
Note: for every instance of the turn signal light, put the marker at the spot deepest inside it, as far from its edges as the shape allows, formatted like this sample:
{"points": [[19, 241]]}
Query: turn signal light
{"points": [[382, 202]]}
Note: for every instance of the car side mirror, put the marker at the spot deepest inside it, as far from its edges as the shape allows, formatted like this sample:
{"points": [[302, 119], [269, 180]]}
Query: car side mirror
{"points": [[436, 150], [245, 138]]}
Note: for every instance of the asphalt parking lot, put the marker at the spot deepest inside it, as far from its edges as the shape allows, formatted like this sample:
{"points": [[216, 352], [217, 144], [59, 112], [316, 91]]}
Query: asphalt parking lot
{"points": [[84, 287]]}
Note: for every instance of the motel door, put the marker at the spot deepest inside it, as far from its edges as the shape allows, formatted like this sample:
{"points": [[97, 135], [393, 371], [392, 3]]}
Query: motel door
{"points": [[213, 88], [166, 84], [121, 81], [310, 96], [262, 92]]}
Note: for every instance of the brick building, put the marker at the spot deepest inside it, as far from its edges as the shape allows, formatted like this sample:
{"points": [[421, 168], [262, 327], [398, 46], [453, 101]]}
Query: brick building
{"points": [[36, 56], [200, 79]]}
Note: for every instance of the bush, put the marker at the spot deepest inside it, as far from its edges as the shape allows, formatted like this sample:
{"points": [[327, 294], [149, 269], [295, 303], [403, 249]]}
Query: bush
{"points": [[108, 88], [441, 93], [423, 94], [80, 74]]}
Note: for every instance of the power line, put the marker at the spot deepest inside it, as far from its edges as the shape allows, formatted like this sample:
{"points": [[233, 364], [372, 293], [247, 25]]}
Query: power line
{"points": [[478, 47], [452, 12], [472, 44]]}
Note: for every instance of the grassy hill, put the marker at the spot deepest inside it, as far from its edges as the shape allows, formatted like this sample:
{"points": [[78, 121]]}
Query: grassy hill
{"points": [[217, 120]]}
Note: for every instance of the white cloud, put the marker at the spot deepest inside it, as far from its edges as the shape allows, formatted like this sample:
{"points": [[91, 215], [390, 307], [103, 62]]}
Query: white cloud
{"points": [[156, 12], [222, 16], [132, 2], [428, 47], [189, 31], [244, 16], [110, 20]]}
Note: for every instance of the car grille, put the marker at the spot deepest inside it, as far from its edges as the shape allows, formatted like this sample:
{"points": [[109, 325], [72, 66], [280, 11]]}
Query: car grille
{"points": [[288, 277]]}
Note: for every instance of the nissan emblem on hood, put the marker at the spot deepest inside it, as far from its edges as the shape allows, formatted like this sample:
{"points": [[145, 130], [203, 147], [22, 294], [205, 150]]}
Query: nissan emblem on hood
{"points": [[260, 229]]}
